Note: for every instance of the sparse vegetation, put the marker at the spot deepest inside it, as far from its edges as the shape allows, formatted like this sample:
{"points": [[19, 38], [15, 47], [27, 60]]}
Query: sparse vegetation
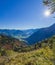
{"points": [[42, 53]]}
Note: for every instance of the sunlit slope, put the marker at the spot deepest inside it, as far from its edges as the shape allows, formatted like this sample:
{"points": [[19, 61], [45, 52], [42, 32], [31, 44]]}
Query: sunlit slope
{"points": [[43, 56]]}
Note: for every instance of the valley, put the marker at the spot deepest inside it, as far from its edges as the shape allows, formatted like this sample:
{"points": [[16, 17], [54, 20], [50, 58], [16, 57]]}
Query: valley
{"points": [[36, 49]]}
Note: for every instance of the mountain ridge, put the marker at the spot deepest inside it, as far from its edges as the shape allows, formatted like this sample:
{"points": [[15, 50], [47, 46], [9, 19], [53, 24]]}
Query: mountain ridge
{"points": [[41, 34], [31, 36]]}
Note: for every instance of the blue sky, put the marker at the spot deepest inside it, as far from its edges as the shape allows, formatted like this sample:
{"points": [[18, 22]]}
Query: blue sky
{"points": [[23, 14]]}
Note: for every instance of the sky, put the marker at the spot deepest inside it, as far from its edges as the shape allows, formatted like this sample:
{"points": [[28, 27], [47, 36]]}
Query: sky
{"points": [[23, 14]]}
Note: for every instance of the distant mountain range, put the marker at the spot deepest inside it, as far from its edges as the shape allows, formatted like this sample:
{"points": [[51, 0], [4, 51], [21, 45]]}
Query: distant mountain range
{"points": [[18, 33], [41, 34], [30, 36]]}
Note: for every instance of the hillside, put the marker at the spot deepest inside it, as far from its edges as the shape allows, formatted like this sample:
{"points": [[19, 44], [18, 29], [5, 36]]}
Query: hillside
{"points": [[41, 34], [42, 54], [10, 43], [37, 57]]}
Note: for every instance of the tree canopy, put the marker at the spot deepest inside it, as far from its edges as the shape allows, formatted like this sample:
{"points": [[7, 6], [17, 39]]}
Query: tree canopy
{"points": [[50, 4]]}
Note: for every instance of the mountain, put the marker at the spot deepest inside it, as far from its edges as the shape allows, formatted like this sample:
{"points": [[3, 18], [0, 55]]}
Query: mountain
{"points": [[30, 36], [17, 33], [41, 34]]}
